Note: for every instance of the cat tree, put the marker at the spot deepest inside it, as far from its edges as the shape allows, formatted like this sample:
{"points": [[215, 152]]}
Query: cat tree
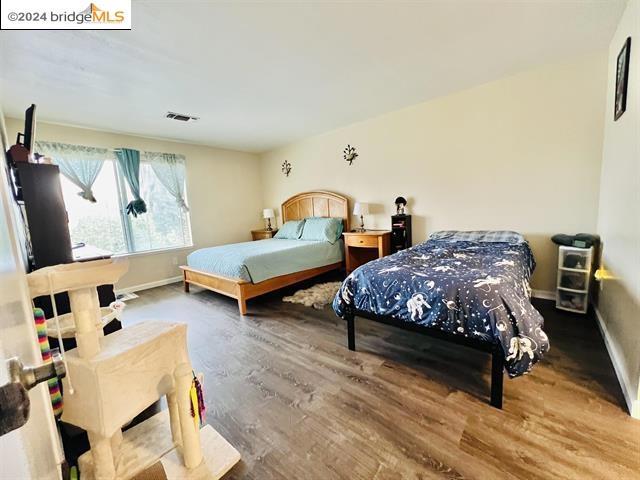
{"points": [[113, 378]]}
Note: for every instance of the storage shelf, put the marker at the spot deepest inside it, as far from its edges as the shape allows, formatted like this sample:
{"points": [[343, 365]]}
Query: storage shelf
{"points": [[572, 290], [574, 299], [581, 270], [400, 232], [570, 309]]}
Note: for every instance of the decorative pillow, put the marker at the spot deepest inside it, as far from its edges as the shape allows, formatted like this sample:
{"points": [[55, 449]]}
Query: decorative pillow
{"points": [[322, 229], [290, 230], [505, 236]]}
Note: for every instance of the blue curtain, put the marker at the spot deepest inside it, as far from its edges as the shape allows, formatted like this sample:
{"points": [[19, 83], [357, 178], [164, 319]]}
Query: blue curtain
{"points": [[129, 162]]}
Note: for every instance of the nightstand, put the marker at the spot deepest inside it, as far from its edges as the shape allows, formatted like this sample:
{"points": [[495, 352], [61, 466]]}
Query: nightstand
{"points": [[263, 234], [400, 232], [362, 247]]}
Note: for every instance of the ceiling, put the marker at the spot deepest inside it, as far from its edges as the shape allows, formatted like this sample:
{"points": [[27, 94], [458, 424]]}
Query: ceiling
{"points": [[265, 74]]}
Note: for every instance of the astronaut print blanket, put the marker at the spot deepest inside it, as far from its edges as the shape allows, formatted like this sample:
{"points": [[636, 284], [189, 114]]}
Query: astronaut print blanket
{"points": [[476, 289]]}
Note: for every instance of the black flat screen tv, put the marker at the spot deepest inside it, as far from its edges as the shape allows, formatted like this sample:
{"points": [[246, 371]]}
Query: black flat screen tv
{"points": [[27, 138], [29, 128]]}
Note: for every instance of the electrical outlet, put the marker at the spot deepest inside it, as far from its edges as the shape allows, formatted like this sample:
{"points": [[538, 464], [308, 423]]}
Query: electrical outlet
{"points": [[174, 260]]}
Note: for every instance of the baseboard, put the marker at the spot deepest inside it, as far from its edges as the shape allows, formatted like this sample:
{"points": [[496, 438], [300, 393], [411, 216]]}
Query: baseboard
{"points": [[544, 294], [145, 286], [619, 367]]}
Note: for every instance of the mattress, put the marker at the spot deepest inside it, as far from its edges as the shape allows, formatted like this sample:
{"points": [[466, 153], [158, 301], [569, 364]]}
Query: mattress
{"points": [[264, 259], [474, 289]]}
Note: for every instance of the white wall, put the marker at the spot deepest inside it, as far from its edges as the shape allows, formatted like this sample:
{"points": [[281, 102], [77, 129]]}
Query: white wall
{"points": [[619, 216], [223, 188], [520, 153]]}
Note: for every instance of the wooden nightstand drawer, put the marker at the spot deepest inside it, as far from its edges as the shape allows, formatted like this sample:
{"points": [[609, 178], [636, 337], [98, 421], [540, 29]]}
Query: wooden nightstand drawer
{"points": [[368, 241], [263, 234]]}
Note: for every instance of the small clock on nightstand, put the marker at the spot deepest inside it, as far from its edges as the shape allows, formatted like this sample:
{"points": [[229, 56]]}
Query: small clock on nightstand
{"points": [[263, 234]]}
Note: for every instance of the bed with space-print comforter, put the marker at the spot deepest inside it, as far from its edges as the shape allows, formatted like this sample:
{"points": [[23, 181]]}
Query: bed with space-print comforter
{"points": [[470, 285]]}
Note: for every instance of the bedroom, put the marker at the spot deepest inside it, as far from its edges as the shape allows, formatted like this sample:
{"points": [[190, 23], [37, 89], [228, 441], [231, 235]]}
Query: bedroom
{"points": [[515, 118]]}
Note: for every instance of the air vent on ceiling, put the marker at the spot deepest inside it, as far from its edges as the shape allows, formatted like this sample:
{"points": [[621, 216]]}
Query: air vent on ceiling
{"points": [[182, 117]]}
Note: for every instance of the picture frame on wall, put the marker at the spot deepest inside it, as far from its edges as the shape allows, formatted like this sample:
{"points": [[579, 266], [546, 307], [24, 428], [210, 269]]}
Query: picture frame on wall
{"points": [[622, 79]]}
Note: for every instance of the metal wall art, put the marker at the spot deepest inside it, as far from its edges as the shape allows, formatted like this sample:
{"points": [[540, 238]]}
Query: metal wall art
{"points": [[350, 154], [286, 168]]}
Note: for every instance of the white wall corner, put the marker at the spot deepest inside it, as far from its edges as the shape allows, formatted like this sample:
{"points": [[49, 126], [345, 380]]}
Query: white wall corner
{"points": [[630, 396]]}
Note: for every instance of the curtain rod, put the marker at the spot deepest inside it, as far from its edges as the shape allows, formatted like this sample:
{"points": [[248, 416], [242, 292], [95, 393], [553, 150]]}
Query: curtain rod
{"points": [[110, 149]]}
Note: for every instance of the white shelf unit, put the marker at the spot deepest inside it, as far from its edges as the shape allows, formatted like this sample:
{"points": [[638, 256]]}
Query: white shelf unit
{"points": [[574, 278]]}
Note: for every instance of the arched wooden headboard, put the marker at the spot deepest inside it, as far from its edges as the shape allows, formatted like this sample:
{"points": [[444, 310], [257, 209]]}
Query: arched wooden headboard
{"points": [[317, 204]]}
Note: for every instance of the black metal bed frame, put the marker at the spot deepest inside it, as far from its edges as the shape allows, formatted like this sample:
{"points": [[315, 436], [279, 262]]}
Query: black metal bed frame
{"points": [[497, 354]]}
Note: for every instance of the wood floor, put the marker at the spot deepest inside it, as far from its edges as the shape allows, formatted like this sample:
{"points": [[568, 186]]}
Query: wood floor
{"points": [[282, 387]]}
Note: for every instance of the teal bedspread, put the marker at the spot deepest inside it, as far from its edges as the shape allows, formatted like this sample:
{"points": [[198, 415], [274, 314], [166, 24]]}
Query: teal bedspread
{"points": [[264, 259]]}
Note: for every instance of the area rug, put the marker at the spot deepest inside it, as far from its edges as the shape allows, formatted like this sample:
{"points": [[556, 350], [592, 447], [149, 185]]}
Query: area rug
{"points": [[317, 296]]}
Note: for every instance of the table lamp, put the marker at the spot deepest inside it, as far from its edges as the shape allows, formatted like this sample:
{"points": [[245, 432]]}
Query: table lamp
{"points": [[268, 214], [361, 209]]}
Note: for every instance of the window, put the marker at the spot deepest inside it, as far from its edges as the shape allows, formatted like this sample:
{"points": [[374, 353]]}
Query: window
{"points": [[98, 224], [165, 225], [105, 224]]}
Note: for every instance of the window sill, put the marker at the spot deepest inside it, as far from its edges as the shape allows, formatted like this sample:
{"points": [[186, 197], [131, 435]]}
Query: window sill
{"points": [[152, 252]]}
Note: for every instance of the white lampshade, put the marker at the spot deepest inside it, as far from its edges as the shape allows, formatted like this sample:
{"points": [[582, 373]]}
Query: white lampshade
{"points": [[361, 208], [268, 213]]}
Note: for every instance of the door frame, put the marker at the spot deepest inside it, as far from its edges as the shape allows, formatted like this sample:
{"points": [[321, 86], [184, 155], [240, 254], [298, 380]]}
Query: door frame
{"points": [[34, 450]]}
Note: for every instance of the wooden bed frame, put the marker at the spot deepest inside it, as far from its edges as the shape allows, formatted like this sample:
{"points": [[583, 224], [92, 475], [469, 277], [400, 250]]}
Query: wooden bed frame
{"points": [[298, 207]]}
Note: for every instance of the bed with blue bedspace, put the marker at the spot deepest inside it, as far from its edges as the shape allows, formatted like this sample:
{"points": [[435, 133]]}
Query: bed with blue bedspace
{"points": [[470, 288], [308, 244]]}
